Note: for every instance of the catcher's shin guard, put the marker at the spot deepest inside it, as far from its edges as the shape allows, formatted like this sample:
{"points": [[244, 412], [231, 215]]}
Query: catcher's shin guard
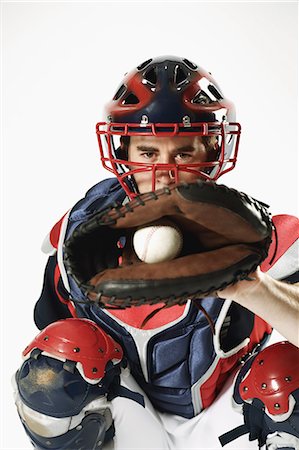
{"points": [[90, 434], [267, 391], [70, 373]]}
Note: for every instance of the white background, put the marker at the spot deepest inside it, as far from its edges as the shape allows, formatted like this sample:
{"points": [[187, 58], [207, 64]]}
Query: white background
{"points": [[63, 61]]}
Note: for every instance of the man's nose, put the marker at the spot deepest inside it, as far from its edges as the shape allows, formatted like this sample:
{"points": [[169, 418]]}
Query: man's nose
{"points": [[166, 158], [165, 173]]}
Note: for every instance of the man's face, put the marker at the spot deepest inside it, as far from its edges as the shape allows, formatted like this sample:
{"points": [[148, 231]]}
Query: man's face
{"points": [[166, 150]]}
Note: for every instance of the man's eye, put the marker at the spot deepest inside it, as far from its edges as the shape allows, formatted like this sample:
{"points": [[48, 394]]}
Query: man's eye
{"points": [[184, 156], [148, 155]]}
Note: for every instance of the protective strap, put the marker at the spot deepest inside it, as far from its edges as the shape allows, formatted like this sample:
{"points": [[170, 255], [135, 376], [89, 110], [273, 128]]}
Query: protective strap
{"points": [[116, 390], [231, 435], [254, 425]]}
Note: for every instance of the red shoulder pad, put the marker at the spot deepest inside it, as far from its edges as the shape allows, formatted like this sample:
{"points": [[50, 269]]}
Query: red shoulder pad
{"points": [[273, 376], [55, 232], [287, 232], [79, 340]]}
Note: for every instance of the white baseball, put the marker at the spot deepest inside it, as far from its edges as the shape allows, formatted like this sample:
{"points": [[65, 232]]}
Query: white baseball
{"points": [[158, 242]]}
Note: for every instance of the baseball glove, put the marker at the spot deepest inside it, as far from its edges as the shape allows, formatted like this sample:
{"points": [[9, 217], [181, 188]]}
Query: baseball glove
{"points": [[226, 235]]}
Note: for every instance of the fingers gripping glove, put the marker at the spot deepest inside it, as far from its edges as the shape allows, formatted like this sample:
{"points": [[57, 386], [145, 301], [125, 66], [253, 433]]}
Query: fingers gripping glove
{"points": [[267, 390], [63, 384], [226, 235]]}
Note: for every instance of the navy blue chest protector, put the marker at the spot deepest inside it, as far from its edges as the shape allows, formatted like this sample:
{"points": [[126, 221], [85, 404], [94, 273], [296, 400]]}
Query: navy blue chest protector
{"points": [[182, 365]]}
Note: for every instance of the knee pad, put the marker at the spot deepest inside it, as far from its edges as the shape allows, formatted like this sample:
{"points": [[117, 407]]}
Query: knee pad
{"points": [[69, 364], [267, 393], [63, 384]]}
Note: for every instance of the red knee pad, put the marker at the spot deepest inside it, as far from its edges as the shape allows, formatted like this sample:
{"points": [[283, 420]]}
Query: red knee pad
{"points": [[273, 376], [81, 341]]}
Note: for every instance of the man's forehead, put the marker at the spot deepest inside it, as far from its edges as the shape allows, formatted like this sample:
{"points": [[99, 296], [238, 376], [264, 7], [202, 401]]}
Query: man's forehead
{"points": [[162, 140]]}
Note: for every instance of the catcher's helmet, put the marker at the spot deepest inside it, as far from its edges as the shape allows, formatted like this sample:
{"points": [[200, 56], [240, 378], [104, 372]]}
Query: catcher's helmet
{"points": [[168, 96]]}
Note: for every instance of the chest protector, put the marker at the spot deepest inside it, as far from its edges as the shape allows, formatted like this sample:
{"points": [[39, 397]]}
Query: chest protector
{"points": [[176, 358]]}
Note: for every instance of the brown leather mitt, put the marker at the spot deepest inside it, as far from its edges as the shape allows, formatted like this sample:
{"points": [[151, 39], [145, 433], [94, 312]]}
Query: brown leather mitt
{"points": [[226, 235]]}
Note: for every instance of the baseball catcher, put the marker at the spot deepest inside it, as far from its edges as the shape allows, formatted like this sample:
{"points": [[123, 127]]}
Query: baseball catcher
{"points": [[162, 288]]}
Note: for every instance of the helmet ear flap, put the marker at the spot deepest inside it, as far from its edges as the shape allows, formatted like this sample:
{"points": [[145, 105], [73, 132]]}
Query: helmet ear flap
{"points": [[216, 150], [213, 148], [213, 152], [122, 151]]}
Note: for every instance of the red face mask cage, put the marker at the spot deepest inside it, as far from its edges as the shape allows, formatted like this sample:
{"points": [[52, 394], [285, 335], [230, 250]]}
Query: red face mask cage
{"points": [[228, 134]]}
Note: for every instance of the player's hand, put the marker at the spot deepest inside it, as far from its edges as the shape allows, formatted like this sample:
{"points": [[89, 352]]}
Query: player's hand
{"points": [[242, 288]]}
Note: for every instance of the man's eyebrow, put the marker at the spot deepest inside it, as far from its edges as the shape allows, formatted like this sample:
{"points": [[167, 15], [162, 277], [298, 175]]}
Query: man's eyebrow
{"points": [[150, 148], [185, 148], [147, 148]]}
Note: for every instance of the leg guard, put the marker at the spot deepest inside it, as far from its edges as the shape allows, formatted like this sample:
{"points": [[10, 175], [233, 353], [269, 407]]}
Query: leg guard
{"points": [[267, 392], [62, 386], [90, 434]]}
